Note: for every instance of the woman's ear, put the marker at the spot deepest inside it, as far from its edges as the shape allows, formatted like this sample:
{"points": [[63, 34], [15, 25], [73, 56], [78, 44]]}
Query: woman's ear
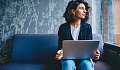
{"points": [[73, 11]]}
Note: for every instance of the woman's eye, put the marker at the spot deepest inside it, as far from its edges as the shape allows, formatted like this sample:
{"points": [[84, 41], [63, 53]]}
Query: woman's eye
{"points": [[82, 8]]}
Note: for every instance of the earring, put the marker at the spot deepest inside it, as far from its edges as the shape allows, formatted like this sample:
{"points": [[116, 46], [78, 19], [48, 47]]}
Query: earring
{"points": [[74, 14]]}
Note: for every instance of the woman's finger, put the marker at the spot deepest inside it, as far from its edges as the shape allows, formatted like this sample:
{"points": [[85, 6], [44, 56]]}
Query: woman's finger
{"points": [[96, 54], [59, 55], [98, 51], [60, 52]]}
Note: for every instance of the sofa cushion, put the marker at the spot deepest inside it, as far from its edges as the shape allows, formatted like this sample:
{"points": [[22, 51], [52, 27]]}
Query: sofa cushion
{"points": [[101, 66], [24, 66], [35, 47]]}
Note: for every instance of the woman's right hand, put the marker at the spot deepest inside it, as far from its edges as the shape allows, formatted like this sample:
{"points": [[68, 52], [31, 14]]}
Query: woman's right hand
{"points": [[59, 55]]}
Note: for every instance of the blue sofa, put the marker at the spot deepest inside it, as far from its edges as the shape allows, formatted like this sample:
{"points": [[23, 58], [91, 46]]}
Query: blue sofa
{"points": [[37, 52]]}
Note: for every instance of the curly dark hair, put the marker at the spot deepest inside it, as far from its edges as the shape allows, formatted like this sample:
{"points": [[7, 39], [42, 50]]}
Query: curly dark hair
{"points": [[69, 16]]}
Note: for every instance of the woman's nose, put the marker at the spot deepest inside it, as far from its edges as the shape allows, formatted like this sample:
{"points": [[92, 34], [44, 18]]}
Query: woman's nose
{"points": [[85, 11]]}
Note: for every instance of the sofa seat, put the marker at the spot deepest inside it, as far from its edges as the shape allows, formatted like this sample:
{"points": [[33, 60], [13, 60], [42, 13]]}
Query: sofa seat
{"points": [[37, 66], [101, 66], [24, 66]]}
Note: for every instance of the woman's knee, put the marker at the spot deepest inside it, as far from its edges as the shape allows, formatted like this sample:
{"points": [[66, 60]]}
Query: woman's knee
{"points": [[86, 65], [85, 62], [68, 64]]}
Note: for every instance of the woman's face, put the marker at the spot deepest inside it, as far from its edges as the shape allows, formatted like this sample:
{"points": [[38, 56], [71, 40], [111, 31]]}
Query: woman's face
{"points": [[80, 11]]}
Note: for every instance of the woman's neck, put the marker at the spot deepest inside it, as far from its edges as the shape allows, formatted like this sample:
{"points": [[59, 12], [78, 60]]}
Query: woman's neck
{"points": [[76, 23]]}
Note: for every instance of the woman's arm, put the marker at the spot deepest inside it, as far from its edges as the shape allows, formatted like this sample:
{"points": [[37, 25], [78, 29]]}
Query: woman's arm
{"points": [[60, 37], [89, 32], [59, 54]]}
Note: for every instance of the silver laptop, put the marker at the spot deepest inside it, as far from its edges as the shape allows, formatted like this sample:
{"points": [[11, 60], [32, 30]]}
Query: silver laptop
{"points": [[80, 49]]}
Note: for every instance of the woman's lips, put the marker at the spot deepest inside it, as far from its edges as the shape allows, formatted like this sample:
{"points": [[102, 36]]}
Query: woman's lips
{"points": [[83, 14]]}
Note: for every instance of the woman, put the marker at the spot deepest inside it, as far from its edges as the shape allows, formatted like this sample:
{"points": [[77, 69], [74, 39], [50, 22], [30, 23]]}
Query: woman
{"points": [[76, 28]]}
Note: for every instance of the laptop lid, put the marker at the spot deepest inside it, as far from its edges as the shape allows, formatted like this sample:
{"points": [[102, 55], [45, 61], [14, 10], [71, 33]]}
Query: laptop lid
{"points": [[80, 49]]}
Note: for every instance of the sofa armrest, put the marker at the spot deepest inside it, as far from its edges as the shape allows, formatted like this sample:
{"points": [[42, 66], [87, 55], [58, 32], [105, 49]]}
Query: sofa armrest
{"points": [[112, 47], [111, 55]]}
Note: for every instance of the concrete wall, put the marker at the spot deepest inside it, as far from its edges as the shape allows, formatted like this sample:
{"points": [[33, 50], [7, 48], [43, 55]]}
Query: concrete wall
{"points": [[117, 21], [97, 16], [108, 29], [30, 16], [105, 23]]}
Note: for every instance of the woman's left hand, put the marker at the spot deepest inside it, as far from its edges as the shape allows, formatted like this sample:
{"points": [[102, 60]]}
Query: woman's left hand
{"points": [[96, 54]]}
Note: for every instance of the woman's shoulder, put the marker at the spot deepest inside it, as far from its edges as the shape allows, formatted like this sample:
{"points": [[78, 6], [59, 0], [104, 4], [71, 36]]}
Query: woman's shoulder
{"points": [[64, 25], [87, 24]]}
